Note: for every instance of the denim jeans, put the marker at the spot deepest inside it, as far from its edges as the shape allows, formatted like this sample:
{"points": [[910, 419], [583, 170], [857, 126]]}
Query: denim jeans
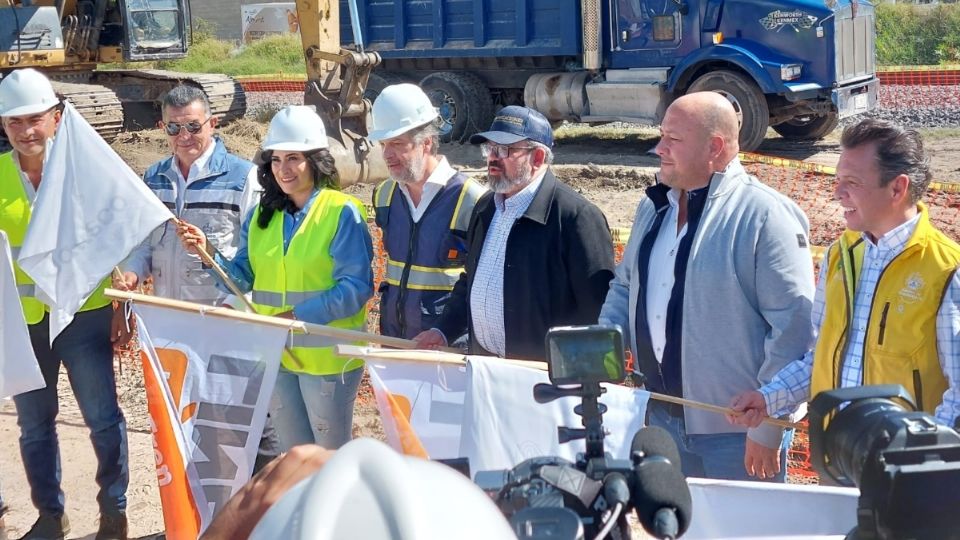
{"points": [[718, 456], [85, 350], [314, 408]]}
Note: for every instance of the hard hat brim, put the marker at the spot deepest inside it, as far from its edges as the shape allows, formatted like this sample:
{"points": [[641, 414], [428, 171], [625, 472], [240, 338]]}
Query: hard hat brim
{"points": [[27, 110], [296, 146], [378, 135]]}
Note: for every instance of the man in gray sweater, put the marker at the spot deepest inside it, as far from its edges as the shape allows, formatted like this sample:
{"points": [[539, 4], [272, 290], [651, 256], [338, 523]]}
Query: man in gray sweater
{"points": [[714, 291]]}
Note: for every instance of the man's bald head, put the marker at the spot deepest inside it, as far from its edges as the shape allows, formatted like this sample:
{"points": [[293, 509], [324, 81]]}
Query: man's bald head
{"points": [[714, 113]]}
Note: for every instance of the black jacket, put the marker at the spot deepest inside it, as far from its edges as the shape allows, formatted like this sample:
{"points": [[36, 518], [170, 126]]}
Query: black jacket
{"points": [[558, 267]]}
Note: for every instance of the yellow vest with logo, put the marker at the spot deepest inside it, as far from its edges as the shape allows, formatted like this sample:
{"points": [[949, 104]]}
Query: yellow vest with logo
{"points": [[900, 345], [283, 280], [15, 210]]}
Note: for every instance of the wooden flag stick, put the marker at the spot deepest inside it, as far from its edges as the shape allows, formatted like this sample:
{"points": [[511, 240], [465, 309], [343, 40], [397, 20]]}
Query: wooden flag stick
{"points": [[446, 358]]}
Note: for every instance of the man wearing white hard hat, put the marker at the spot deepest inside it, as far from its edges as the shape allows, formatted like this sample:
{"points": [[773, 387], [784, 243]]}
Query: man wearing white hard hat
{"points": [[305, 253], [30, 114], [423, 210]]}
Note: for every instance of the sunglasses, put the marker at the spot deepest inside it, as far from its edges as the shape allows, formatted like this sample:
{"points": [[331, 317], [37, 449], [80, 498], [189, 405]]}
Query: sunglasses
{"points": [[500, 151], [193, 127]]}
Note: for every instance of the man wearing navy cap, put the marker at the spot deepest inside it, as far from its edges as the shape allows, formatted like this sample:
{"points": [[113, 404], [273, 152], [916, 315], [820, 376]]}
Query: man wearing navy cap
{"points": [[540, 255]]}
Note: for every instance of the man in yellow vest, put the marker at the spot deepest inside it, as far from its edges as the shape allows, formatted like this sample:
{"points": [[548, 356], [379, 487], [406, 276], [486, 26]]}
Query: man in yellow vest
{"points": [[887, 304], [30, 113]]}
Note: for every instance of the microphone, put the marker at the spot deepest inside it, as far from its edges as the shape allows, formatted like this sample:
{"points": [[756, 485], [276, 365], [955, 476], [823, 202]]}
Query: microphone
{"points": [[661, 498]]}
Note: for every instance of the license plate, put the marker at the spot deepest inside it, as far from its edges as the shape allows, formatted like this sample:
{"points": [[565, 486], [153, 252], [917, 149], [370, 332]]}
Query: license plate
{"points": [[860, 101]]}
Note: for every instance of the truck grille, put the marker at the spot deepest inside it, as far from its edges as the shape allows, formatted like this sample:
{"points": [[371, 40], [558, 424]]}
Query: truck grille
{"points": [[856, 33]]}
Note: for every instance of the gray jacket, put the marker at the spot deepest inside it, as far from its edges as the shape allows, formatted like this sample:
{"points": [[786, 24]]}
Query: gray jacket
{"points": [[747, 295]]}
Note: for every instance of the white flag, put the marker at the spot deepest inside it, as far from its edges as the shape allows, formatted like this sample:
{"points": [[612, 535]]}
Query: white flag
{"points": [[19, 371], [503, 425], [91, 211], [209, 381]]}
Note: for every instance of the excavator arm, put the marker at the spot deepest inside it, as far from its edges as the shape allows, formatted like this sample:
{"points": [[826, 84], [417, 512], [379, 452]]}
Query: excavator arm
{"points": [[336, 80]]}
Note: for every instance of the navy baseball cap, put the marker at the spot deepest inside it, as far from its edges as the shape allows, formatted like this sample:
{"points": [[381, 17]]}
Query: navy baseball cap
{"points": [[514, 124]]}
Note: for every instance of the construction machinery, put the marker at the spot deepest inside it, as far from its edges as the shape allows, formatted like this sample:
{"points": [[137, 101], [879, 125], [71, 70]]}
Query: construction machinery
{"points": [[70, 39]]}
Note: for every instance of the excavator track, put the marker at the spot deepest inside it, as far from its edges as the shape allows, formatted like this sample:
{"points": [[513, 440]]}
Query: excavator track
{"points": [[99, 105]]}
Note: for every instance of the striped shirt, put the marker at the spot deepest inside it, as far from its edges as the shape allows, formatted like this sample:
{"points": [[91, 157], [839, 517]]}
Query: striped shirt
{"points": [[486, 294], [791, 385]]}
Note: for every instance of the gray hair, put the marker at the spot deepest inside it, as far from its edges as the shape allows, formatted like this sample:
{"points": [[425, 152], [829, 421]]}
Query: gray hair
{"points": [[428, 131], [183, 95], [899, 151], [548, 152]]}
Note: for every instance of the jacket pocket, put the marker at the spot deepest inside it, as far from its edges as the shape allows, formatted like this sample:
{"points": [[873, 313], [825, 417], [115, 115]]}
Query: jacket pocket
{"points": [[883, 323]]}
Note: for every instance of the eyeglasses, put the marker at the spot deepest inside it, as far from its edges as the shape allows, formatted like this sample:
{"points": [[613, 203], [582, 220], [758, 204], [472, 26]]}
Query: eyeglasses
{"points": [[501, 151], [193, 127]]}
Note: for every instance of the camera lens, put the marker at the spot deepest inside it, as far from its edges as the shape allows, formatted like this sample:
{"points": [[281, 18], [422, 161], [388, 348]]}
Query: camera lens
{"points": [[855, 433]]}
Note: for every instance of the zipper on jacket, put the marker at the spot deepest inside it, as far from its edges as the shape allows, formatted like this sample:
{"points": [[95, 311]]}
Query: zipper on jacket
{"points": [[883, 323], [918, 389]]}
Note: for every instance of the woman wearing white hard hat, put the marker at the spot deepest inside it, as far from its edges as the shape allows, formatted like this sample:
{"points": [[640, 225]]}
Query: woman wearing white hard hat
{"points": [[305, 253]]}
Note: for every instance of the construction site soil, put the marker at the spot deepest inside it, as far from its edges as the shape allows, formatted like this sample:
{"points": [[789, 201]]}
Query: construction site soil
{"points": [[611, 172]]}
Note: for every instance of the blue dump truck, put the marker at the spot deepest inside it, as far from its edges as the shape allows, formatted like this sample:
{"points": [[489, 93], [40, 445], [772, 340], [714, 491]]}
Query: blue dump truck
{"points": [[795, 65]]}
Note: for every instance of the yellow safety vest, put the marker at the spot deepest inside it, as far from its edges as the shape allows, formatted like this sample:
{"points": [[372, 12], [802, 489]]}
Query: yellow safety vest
{"points": [[282, 280], [15, 210], [900, 345]]}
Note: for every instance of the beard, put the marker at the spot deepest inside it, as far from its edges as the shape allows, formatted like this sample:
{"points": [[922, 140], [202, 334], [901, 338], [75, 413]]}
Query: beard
{"points": [[502, 183], [413, 171]]}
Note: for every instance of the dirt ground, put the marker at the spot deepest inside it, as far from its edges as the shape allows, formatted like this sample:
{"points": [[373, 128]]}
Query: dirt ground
{"points": [[608, 166]]}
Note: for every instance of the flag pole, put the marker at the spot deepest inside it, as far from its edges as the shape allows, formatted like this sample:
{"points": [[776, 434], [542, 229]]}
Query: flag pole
{"points": [[446, 358]]}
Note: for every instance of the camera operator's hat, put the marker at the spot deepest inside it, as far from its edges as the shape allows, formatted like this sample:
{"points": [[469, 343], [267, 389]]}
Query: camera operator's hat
{"points": [[514, 124]]}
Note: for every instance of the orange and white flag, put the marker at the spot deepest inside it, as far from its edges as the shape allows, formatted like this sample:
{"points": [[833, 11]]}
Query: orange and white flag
{"points": [[208, 380]]}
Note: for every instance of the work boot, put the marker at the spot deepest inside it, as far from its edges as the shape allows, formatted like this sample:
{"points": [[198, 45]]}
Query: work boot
{"points": [[112, 527], [48, 527]]}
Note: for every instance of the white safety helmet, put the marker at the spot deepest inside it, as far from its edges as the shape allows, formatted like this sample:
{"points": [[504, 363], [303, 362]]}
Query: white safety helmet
{"points": [[367, 490], [400, 108], [26, 91], [296, 128]]}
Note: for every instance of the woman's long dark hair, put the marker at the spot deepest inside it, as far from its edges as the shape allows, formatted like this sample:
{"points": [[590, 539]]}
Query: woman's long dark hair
{"points": [[273, 198]]}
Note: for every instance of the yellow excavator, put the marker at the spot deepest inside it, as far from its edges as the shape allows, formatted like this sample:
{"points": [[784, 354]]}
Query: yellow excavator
{"points": [[70, 39]]}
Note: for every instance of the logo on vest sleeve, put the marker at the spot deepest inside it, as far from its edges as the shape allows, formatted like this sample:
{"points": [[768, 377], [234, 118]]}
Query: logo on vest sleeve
{"points": [[912, 290]]}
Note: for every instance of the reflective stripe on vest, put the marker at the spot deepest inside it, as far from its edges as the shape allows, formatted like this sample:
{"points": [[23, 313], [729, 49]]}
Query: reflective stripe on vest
{"points": [[282, 280], [471, 193], [423, 278]]}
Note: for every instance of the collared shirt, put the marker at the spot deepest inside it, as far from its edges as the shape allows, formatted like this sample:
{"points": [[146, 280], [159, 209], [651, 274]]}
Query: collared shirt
{"points": [[792, 384], [437, 180], [486, 297], [352, 268], [27, 184], [660, 273], [198, 169]]}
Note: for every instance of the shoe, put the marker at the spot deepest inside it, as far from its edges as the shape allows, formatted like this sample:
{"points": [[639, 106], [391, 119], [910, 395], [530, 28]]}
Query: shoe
{"points": [[48, 527], [112, 527]]}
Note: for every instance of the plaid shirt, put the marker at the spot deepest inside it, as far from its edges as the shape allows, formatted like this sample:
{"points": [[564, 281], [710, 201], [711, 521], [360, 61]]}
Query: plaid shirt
{"points": [[486, 298], [791, 385]]}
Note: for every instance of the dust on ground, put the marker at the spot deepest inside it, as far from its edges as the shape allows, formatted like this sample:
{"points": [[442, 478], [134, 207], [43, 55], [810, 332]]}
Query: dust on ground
{"points": [[610, 167]]}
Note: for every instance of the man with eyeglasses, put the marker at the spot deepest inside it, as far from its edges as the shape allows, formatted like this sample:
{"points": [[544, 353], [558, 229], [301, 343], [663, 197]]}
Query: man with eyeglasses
{"points": [[203, 184], [540, 255], [423, 210]]}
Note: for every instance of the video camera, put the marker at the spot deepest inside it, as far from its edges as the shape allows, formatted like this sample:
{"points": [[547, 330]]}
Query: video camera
{"points": [[550, 497], [906, 465]]}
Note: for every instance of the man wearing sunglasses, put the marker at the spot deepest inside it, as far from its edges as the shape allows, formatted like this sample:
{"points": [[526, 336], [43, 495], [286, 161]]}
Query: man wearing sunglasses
{"points": [[540, 255]]}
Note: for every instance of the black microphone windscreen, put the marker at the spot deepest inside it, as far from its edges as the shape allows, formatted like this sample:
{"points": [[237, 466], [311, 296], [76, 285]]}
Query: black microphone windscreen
{"points": [[656, 441], [661, 485]]}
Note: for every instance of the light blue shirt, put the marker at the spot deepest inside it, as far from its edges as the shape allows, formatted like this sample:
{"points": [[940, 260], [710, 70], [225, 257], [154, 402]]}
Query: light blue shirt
{"points": [[351, 250]]}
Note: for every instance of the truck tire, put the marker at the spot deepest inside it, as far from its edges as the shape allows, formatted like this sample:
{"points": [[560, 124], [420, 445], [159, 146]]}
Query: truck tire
{"points": [[464, 102], [808, 127], [378, 81], [747, 100]]}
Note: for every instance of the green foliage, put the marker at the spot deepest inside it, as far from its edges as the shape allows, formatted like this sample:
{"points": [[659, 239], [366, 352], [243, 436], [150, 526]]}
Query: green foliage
{"points": [[918, 34], [273, 54]]}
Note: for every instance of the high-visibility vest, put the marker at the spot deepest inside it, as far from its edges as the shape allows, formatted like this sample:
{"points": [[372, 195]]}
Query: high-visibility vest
{"points": [[15, 211], [900, 345], [282, 280], [424, 259]]}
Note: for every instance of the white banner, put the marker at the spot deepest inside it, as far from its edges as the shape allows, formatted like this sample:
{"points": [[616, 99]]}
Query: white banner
{"points": [[19, 371], [209, 385], [503, 425], [91, 211]]}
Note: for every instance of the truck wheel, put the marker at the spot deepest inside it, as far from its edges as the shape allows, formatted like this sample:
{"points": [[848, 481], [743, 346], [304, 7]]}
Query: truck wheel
{"points": [[747, 100], [378, 81], [808, 127], [464, 102]]}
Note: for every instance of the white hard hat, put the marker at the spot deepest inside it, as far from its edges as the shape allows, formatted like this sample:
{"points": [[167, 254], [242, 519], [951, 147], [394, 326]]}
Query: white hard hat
{"points": [[369, 491], [296, 128], [400, 108], [26, 91]]}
